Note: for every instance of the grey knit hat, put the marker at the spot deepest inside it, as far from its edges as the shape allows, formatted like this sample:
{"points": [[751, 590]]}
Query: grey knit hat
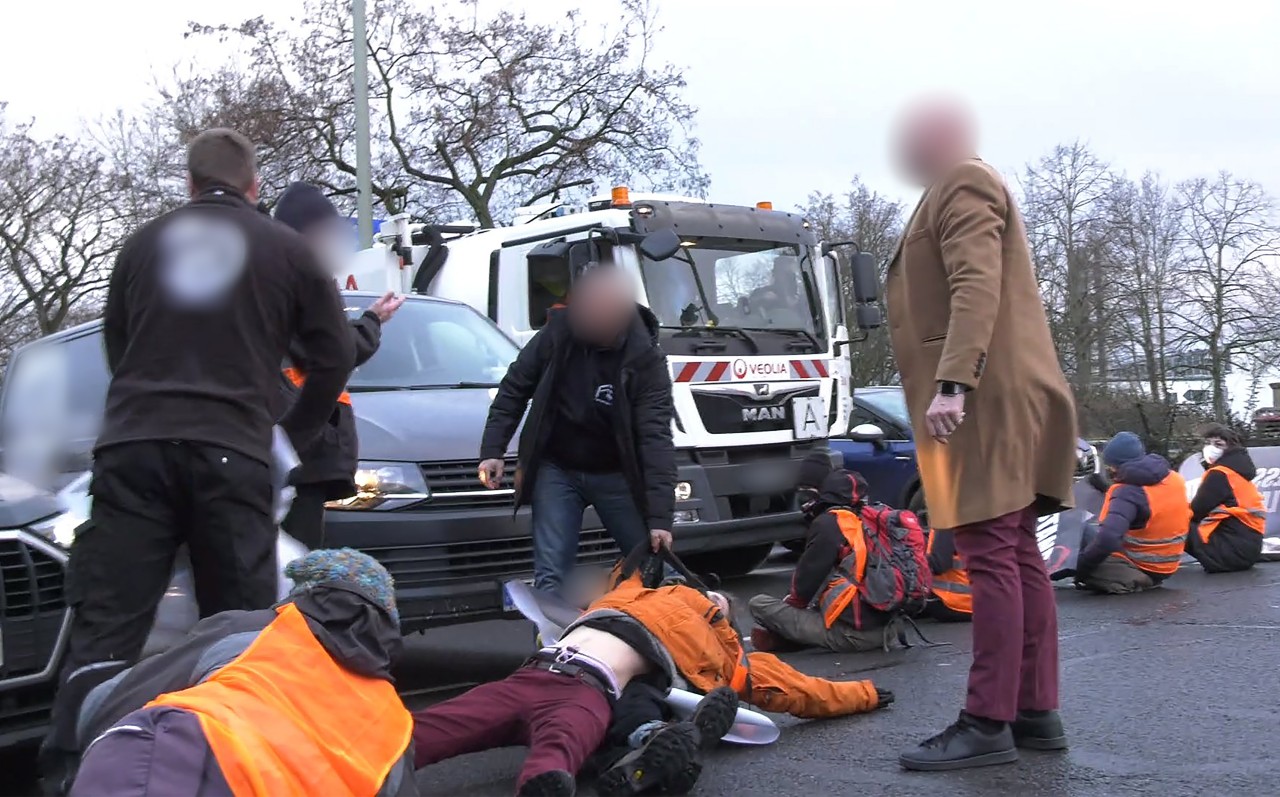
{"points": [[344, 566]]}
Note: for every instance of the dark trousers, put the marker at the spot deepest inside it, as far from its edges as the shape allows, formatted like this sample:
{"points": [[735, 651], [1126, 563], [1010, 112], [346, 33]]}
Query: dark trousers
{"points": [[559, 499], [558, 717], [1015, 619], [148, 499], [1230, 548], [938, 611], [305, 521]]}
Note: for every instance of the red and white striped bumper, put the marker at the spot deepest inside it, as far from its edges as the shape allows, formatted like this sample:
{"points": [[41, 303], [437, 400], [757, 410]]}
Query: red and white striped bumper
{"points": [[746, 370]]}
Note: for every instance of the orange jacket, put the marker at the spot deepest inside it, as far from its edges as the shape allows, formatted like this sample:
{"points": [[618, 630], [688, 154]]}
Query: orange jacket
{"points": [[707, 651], [297, 378], [840, 596], [952, 586], [1158, 546], [1249, 509]]}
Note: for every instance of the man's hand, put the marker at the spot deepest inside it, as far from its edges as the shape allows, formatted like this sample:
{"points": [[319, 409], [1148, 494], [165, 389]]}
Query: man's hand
{"points": [[386, 306], [659, 539], [944, 416], [491, 471]]}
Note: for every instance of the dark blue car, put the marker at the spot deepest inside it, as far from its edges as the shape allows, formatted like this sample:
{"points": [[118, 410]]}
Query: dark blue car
{"points": [[880, 447]]}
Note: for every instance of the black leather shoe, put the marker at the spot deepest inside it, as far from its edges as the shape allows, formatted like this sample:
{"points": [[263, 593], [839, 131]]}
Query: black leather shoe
{"points": [[968, 743], [1039, 731]]}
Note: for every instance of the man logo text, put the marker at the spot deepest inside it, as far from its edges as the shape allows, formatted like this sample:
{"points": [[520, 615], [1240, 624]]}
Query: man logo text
{"points": [[756, 414]]}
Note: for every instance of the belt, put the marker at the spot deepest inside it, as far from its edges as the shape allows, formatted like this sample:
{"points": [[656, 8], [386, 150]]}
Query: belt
{"points": [[562, 662]]}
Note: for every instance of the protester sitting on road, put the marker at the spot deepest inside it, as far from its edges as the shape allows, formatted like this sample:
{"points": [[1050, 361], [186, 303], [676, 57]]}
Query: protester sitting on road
{"points": [[1227, 513], [559, 702], [328, 468], [598, 432], [296, 699], [1142, 529], [952, 600], [805, 617]]}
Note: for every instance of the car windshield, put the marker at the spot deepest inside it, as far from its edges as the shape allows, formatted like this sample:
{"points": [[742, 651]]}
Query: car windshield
{"points": [[433, 345], [755, 285], [892, 404]]}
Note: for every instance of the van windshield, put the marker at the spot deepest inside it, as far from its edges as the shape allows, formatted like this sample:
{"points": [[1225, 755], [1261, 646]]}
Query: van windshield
{"points": [[432, 345]]}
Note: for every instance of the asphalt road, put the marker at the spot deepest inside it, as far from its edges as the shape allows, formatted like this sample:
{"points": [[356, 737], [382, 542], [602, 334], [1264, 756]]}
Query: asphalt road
{"points": [[1171, 692]]}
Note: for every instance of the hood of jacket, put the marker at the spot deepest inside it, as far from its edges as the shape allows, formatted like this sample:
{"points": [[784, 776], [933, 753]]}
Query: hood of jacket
{"points": [[1148, 470], [843, 488], [357, 633], [639, 342], [1238, 460]]}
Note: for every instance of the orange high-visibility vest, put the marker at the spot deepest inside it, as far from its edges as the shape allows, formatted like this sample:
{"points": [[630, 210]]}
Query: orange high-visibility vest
{"points": [[841, 591], [952, 587], [1249, 508], [285, 720], [297, 378], [1157, 547]]}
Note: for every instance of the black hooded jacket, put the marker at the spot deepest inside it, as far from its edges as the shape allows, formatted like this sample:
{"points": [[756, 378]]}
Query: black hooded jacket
{"points": [[824, 544], [1215, 490], [642, 410]]}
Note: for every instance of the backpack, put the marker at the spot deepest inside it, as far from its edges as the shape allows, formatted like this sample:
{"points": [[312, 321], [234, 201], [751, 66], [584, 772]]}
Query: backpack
{"points": [[897, 579]]}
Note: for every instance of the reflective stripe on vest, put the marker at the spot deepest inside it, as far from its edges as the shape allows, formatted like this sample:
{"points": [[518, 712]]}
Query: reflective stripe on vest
{"points": [[1249, 509], [297, 378], [1157, 547], [841, 591], [284, 718], [952, 587]]}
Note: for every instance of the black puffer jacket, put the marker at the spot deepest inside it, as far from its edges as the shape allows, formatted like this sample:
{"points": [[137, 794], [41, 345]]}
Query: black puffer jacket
{"points": [[643, 434]]}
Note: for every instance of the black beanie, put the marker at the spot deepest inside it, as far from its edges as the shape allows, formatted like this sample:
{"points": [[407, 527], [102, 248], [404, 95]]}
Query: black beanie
{"points": [[813, 469], [302, 205]]}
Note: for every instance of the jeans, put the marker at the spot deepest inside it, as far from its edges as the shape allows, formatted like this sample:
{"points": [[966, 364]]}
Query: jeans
{"points": [[559, 499]]}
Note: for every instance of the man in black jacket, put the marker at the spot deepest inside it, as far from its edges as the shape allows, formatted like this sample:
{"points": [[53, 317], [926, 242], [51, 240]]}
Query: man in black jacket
{"points": [[329, 464], [1228, 515], [599, 431], [201, 307]]}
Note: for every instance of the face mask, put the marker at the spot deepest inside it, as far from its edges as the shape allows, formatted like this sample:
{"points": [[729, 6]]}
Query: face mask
{"points": [[1212, 453]]}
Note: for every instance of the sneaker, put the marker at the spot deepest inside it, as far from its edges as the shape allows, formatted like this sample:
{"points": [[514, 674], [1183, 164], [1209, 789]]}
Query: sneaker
{"points": [[656, 766], [1039, 730], [969, 742], [556, 783], [714, 716]]}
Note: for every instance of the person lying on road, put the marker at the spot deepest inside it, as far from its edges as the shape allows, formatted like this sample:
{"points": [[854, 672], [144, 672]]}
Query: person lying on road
{"points": [[801, 618], [296, 699], [1142, 528], [560, 703], [1227, 513]]}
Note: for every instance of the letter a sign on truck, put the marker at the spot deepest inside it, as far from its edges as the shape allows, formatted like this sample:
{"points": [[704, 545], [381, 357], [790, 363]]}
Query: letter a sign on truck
{"points": [[810, 417]]}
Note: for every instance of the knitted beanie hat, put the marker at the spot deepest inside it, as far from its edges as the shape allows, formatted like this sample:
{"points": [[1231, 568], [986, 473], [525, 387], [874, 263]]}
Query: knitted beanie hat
{"points": [[302, 206], [814, 469], [344, 566], [1123, 448]]}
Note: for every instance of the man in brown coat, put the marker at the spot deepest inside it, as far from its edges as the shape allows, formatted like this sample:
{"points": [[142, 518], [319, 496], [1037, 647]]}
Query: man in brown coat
{"points": [[994, 426]]}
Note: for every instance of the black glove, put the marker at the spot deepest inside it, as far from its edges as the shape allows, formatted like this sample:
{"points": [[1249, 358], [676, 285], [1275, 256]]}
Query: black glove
{"points": [[885, 696]]}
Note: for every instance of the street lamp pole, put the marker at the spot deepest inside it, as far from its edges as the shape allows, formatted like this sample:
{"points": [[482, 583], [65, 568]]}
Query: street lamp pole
{"points": [[364, 190]]}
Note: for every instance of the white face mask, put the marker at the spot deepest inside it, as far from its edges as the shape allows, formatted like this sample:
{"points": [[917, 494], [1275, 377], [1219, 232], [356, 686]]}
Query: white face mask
{"points": [[1211, 453]]}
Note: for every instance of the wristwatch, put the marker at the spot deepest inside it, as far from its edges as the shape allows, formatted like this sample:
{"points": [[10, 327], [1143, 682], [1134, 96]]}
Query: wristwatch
{"points": [[951, 388]]}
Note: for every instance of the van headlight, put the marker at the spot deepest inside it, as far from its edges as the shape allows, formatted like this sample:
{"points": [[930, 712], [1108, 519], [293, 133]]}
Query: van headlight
{"points": [[378, 483]]}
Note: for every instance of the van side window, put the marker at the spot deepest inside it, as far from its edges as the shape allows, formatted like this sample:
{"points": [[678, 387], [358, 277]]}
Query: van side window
{"points": [[88, 375], [548, 286]]}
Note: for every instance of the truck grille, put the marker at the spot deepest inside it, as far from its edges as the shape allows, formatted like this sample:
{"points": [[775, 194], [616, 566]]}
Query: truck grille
{"points": [[32, 607], [492, 560], [455, 484], [724, 412]]}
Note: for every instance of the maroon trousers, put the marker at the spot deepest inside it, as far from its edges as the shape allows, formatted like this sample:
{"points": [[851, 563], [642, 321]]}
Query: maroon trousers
{"points": [[559, 718], [1015, 619]]}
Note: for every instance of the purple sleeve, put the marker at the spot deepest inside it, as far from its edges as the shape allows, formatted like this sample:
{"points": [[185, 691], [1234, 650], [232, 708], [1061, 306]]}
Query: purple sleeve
{"points": [[1128, 508]]}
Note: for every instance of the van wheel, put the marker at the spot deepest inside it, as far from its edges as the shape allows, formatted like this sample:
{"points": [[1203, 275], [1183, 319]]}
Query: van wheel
{"points": [[917, 506], [732, 562]]}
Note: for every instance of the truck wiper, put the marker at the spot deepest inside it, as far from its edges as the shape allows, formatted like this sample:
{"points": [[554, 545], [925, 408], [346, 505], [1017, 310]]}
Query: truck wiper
{"points": [[790, 332], [699, 331]]}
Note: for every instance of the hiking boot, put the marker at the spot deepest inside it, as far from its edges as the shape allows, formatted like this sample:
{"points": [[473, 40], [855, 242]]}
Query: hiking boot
{"points": [[1039, 730], [714, 716], [556, 783], [967, 743], [661, 763]]}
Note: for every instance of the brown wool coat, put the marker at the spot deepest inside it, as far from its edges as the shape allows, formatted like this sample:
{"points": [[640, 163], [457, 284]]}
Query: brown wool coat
{"points": [[964, 306]]}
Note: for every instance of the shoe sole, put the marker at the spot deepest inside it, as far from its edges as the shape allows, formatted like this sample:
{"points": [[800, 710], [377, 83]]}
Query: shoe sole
{"points": [[973, 762], [715, 716], [1042, 743], [661, 760]]}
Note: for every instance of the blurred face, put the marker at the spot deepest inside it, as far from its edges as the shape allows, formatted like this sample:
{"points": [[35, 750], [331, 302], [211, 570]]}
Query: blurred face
{"points": [[932, 135], [721, 602], [333, 243], [602, 305]]}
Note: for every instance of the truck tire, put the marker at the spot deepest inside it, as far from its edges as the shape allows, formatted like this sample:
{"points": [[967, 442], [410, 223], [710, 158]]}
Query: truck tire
{"points": [[732, 562], [917, 506]]}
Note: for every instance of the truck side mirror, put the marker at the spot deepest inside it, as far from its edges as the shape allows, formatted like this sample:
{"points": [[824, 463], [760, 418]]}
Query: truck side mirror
{"points": [[865, 278], [660, 244]]}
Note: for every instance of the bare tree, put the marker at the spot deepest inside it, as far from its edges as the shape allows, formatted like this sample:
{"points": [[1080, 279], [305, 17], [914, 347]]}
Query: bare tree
{"points": [[1232, 238], [874, 222], [473, 111]]}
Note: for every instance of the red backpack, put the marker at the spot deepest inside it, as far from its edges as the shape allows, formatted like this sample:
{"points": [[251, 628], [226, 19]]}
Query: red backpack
{"points": [[897, 578]]}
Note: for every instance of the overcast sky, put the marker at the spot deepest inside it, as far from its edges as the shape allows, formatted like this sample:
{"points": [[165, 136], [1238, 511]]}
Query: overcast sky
{"points": [[797, 97]]}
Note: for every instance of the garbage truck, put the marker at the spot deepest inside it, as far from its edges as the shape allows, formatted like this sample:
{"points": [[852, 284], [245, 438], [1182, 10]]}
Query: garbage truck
{"points": [[753, 322]]}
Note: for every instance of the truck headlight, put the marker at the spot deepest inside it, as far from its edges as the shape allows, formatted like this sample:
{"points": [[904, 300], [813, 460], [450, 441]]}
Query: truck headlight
{"points": [[380, 482]]}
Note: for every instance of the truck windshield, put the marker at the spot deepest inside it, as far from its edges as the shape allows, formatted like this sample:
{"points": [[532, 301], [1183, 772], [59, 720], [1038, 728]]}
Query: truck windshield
{"points": [[433, 345], [751, 285]]}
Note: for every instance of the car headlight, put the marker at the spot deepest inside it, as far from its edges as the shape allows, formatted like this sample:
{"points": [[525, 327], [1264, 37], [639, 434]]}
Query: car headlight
{"points": [[385, 483], [684, 491]]}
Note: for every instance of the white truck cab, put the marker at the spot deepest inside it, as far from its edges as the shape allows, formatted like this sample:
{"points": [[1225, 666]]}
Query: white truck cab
{"points": [[752, 321]]}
